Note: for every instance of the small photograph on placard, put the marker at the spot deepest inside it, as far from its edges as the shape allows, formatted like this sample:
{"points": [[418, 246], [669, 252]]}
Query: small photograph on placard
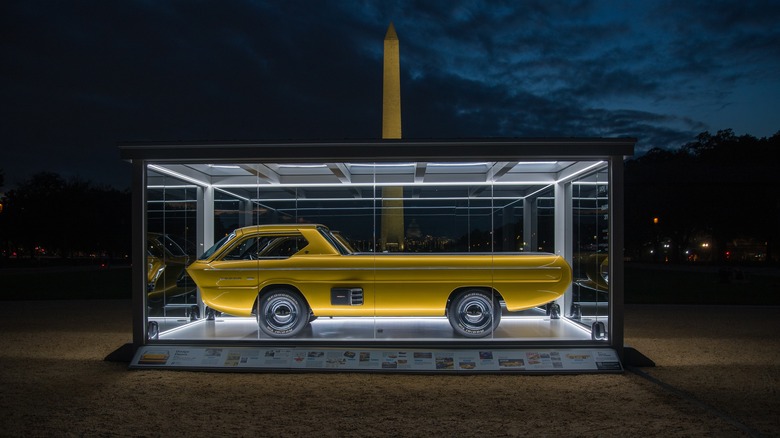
{"points": [[422, 360], [232, 359], [335, 359], [578, 357], [445, 361], [212, 352], [511, 363], [315, 359], [298, 358], [467, 364], [389, 364], [392, 359], [154, 357]]}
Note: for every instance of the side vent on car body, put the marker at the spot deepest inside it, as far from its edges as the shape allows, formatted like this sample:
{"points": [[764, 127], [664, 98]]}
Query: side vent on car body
{"points": [[346, 296]]}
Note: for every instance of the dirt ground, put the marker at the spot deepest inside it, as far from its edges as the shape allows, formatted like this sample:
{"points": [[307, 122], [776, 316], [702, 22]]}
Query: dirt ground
{"points": [[717, 374]]}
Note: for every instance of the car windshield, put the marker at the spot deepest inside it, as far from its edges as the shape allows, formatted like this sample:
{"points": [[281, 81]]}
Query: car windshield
{"points": [[209, 252]]}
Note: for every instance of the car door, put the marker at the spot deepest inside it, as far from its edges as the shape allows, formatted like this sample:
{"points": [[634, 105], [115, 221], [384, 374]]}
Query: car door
{"points": [[236, 270]]}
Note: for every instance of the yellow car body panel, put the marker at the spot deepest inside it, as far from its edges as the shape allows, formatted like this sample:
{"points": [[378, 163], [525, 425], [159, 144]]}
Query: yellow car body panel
{"points": [[165, 262], [392, 284]]}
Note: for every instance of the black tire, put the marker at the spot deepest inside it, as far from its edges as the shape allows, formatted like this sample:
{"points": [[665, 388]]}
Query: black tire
{"points": [[474, 313], [282, 313]]}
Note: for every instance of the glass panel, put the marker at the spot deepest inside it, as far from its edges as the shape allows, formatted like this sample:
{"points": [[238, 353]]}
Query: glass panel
{"points": [[508, 219], [590, 297], [406, 239], [171, 233]]}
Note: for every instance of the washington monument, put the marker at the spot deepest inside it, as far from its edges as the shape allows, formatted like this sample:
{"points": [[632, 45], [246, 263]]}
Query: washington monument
{"points": [[392, 225]]}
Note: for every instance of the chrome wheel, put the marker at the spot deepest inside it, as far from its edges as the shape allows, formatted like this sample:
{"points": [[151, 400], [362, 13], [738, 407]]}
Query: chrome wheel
{"points": [[474, 313], [282, 313]]}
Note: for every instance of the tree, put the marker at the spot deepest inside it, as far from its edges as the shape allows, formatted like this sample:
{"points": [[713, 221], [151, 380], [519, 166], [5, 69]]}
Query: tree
{"points": [[720, 185], [49, 215]]}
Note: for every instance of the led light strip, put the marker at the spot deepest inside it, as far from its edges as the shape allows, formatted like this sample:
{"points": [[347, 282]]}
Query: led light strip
{"points": [[579, 172], [389, 184], [178, 175]]}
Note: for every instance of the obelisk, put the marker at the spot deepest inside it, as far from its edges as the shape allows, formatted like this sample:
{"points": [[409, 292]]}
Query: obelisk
{"points": [[392, 223], [391, 87]]}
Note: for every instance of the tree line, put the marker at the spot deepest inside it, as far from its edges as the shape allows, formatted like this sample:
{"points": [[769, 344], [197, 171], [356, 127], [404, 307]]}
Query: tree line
{"points": [[49, 217], [718, 190], [717, 198]]}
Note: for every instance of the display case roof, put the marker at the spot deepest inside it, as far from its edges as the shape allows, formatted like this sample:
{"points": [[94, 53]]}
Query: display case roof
{"points": [[498, 149]]}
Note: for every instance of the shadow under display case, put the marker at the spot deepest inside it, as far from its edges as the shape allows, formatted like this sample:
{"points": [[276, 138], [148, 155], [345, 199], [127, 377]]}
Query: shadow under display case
{"points": [[435, 249]]}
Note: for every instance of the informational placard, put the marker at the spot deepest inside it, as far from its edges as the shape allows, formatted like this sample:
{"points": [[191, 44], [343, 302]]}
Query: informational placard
{"points": [[573, 360]]}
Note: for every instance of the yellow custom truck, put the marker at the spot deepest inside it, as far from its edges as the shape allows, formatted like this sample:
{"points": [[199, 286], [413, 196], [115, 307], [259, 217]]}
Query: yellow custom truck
{"points": [[287, 275]]}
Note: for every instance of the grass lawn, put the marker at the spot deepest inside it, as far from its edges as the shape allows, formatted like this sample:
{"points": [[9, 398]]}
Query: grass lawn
{"points": [[659, 284], [87, 282]]}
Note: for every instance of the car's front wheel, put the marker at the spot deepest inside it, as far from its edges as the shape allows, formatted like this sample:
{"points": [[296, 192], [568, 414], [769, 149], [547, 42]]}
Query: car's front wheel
{"points": [[282, 313], [474, 313]]}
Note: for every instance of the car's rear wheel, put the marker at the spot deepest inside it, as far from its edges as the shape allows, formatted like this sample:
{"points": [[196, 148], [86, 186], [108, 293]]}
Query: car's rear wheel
{"points": [[474, 313], [282, 313]]}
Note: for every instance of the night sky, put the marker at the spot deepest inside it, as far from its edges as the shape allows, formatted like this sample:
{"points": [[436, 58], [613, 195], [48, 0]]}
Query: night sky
{"points": [[79, 77]]}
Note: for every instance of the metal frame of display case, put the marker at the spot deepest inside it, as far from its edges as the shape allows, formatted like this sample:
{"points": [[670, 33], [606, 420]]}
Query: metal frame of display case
{"points": [[613, 151]]}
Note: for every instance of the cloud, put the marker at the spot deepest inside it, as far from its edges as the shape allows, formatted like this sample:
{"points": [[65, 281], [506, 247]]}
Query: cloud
{"points": [[80, 76]]}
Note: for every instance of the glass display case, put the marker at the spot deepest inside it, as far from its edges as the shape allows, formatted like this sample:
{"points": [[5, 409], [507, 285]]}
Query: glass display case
{"points": [[415, 249]]}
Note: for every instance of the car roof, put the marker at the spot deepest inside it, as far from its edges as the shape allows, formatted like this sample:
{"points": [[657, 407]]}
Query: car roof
{"points": [[278, 227]]}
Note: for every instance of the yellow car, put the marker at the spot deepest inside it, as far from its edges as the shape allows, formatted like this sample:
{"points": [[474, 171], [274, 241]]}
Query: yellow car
{"points": [[165, 261], [289, 274]]}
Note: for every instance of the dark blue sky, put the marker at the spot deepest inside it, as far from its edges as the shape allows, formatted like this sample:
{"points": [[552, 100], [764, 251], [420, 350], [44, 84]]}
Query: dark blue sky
{"points": [[80, 76]]}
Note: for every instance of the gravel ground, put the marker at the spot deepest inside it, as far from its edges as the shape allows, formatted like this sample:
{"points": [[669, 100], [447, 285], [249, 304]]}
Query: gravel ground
{"points": [[717, 374]]}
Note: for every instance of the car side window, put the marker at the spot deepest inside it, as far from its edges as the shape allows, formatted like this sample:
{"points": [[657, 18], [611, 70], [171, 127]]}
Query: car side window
{"points": [[284, 247], [248, 249]]}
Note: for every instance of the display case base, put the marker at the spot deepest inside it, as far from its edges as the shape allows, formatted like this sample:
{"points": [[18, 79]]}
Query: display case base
{"points": [[414, 360], [534, 326]]}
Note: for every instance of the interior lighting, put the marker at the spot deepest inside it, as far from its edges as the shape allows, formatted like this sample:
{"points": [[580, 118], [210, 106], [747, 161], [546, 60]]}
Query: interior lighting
{"points": [[232, 194], [382, 165], [538, 191], [569, 177], [370, 199], [303, 166], [166, 171], [174, 186], [391, 184], [457, 164], [577, 326]]}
